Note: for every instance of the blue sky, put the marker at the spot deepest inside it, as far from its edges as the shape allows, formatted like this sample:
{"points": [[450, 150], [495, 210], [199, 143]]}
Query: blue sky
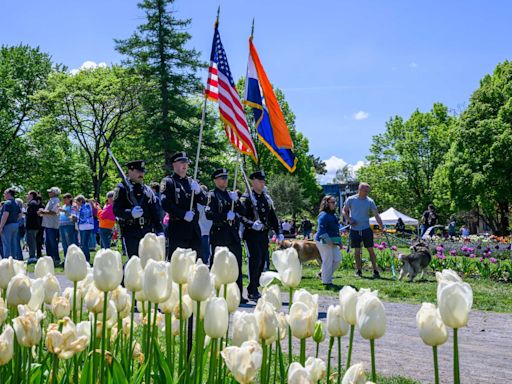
{"points": [[346, 66]]}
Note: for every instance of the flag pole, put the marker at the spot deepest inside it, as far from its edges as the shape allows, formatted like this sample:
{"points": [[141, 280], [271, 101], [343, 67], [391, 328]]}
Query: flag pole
{"points": [[236, 176], [201, 127]]}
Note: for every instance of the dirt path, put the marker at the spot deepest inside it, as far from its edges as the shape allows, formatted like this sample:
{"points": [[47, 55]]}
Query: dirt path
{"points": [[485, 346]]}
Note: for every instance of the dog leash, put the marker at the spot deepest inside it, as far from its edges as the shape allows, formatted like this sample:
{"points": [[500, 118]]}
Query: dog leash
{"points": [[392, 257]]}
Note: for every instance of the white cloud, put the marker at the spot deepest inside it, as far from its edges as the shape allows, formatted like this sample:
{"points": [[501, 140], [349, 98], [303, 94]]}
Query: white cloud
{"points": [[88, 65], [361, 115], [334, 163], [413, 65]]}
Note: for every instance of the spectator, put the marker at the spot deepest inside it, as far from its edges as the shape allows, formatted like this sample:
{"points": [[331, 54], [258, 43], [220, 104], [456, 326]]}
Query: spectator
{"points": [[464, 231], [33, 226], [85, 222], [293, 228], [94, 239], [286, 226], [400, 226], [40, 232], [306, 227], [107, 221], [21, 229], [452, 224], [328, 239], [358, 209], [50, 223], [10, 214], [67, 221], [429, 219]]}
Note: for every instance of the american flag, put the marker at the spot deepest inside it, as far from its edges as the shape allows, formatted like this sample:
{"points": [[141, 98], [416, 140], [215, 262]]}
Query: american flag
{"points": [[221, 88]]}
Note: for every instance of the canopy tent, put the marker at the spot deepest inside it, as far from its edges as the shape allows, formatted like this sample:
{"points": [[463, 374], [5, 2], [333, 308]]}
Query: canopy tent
{"points": [[390, 217]]}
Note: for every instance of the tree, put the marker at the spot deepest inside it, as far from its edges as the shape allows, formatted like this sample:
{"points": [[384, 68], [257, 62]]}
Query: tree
{"points": [[478, 167], [23, 71], [344, 175], [404, 159], [96, 107], [157, 50], [287, 194]]}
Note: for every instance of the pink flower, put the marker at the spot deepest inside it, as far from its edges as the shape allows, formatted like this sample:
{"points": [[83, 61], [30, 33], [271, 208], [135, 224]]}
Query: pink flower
{"points": [[439, 248], [453, 252], [472, 255], [441, 256], [493, 260], [394, 248]]}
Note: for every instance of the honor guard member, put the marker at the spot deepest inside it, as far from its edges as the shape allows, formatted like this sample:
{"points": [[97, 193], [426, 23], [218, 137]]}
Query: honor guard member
{"points": [[176, 191], [258, 220], [225, 221], [136, 208]]}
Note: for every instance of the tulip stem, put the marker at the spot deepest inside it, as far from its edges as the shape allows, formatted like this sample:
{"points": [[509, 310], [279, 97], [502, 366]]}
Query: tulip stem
{"points": [[302, 351], [339, 359], [148, 341], [103, 335], [282, 372], [372, 350], [168, 338], [93, 348], [349, 356], [456, 373], [197, 354], [213, 355], [130, 353], [290, 346], [29, 364], [182, 331], [275, 358], [329, 354], [436, 368], [263, 378]]}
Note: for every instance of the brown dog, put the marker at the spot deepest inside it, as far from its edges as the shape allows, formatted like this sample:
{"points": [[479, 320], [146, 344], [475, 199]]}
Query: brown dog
{"points": [[306, 249]]}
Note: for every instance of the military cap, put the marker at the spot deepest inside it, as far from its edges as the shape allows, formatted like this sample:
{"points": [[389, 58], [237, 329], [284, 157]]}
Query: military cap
{"points": [[179, 156], [258, 175], [137, 165], [219, 173]]}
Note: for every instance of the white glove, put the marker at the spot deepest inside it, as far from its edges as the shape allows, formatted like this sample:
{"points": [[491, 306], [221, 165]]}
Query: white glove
{"points": [[233, 195], [137, 212], [280, 238], [189, 216], [194, 185], [257, 225], [231, 216]]}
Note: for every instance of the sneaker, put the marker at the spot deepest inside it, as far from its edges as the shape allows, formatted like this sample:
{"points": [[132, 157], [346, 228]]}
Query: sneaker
{"points": [[358, 273], [254, 296], [376, 274]]}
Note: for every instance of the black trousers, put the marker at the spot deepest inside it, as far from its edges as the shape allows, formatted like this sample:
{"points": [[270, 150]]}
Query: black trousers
{"points": [[193, 243], [131, 238], [257, 245], [235, 249]]}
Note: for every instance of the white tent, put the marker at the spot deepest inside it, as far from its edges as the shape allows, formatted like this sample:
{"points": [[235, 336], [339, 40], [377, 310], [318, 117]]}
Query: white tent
{"points": [[390, 217]]}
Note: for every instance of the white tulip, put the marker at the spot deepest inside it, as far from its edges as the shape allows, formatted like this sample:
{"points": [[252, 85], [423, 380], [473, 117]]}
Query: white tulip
{"points": [[216, 317], [150, 248], [66, 343], [93, 300], [225, 266], [6, 345], [51, 288], [455, 301], [297, 374], [316, 369], [336, 324], [20, 267], [245, 328], [133, 274], [302, 320], [433, 332], [75, 264], [267, 321], [272, 294], [371, 316], [187, 305], [83, 328], [107, 270], [348, 302], [6, 271], [60, 307], [156, 281], [122, 300], [27, 326], [18, 290], [3, 311], [111, 315], [282, 325], [44, 266], [307, 298], [355, 375], [182, 261], [289, 269], [233, 296], [68, 294], [173, 299], [243, 362], [444, 277], [199, 285]]}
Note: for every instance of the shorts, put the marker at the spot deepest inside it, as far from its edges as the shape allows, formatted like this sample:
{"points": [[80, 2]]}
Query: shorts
{"points": [[365, 235]]}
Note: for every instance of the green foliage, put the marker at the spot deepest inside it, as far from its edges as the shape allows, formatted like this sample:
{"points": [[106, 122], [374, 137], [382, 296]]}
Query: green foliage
{"points": [[287, 194], [405, 157], [479, 164]]}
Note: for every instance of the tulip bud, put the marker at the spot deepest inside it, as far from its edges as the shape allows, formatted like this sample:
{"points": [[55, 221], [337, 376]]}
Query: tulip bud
{"points": [[137, 352], [243, 362], [60, 307], [127, 323], [150, 248], [51, 287], [355, 375], [455, 301], [133, 274], [155, 281], [216, 317], [302, 320], [225, 266], [336, 325], [107, 270], [44, 266], [245, 328], [198, 283], [18, 290], [182, 261], [122, 301], [6, 345], [433, 332], [288, 266], [6, 271], [318, 333], [371, 316], [27, 326], [75, 264], [348, 302], [297, 374], [93, 300], [316, 369], [233, 296]]}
